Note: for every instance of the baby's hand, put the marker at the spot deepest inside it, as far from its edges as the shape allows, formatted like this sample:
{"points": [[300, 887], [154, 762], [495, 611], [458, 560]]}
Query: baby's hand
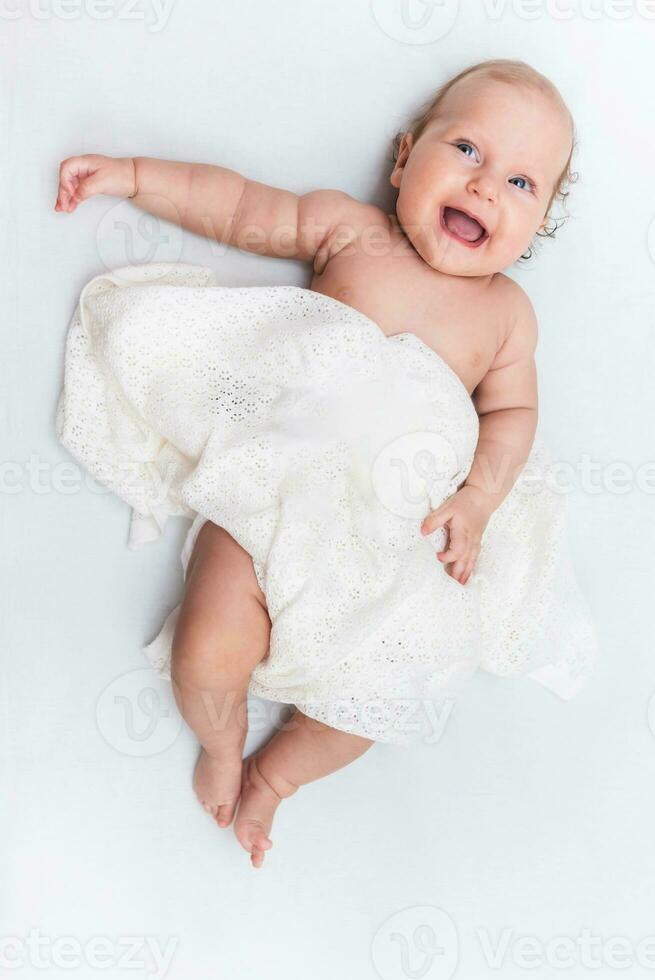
{"points": [[466, 514], [82, 177]]}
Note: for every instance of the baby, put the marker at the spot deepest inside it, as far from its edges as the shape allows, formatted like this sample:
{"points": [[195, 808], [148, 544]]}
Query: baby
{"points": [[476, 174]]}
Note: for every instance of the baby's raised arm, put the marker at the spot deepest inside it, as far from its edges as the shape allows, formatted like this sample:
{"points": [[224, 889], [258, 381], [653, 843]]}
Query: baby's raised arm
{"points": [[221, 204], [507, 403]]}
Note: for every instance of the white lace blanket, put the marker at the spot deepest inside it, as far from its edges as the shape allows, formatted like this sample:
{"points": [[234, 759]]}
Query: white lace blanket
{"points": [[291, 420]]}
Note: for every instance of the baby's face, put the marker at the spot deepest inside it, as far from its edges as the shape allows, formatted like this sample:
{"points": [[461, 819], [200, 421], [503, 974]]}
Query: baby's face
{"points": [[475, 187]]}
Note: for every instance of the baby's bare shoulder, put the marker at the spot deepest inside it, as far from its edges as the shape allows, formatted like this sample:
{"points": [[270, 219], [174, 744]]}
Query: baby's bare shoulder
{"points": [[511, 381], [518, 321], [335, 219], [329, 207]]}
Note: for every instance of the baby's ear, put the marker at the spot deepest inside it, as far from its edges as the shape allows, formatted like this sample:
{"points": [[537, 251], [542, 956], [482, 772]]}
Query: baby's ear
{"points": [[403, 152], [406, 145]]}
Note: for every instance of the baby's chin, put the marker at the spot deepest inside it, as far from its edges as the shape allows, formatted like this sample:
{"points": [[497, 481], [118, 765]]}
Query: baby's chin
{"points": [[445, 254], [450, 260]]}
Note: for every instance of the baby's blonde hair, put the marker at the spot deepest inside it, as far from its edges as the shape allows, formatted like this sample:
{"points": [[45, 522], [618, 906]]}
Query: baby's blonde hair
{"points": [[517, 72]]}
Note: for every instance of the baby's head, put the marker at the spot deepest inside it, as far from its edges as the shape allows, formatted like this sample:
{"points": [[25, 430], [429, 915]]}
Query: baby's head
{"points": [[494, 144]]}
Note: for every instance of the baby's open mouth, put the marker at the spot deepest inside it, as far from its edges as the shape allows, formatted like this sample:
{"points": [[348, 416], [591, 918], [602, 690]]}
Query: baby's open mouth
{"points": [[463, 227]]}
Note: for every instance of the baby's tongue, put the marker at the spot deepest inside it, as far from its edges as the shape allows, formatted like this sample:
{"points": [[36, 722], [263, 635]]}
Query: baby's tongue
{"points": [[467, 228]]}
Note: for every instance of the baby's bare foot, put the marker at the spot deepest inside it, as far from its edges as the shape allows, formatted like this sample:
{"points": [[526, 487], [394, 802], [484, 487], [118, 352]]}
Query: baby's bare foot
{"points": [[260, 798], [217, 784]]}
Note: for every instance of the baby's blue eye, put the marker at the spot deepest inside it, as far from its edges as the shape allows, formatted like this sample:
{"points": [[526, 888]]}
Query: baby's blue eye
{"points": [[525, 185], [468, 146]]}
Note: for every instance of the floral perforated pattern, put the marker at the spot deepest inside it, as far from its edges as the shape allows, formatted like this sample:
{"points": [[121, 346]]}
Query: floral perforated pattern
{"points": [[292, 421]]}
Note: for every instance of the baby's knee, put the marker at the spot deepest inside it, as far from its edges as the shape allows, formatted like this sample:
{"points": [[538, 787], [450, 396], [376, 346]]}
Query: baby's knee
{"points": [[208, 651], [201, 657]]}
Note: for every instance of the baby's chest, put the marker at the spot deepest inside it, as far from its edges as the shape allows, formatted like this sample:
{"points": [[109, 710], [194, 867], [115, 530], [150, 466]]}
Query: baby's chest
{"points": [[454, 322]]}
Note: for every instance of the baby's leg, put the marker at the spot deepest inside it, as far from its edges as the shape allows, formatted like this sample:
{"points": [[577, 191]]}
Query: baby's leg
{"points": [[222, 633], [303, 750]]}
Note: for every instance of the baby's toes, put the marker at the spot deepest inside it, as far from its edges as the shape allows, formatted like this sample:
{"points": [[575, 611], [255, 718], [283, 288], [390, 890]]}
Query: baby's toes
{"points": [[257, 857], [253, 838], [224, 813], [217, 785]]}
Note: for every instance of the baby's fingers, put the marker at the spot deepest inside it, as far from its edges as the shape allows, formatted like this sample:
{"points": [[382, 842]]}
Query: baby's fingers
{"points": [[457, 545], [67, 196], [458, 569], [462, 569], [73, 172]]}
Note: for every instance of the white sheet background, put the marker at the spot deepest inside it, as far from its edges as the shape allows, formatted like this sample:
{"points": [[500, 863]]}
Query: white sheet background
{"points": [[529, 814]]}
